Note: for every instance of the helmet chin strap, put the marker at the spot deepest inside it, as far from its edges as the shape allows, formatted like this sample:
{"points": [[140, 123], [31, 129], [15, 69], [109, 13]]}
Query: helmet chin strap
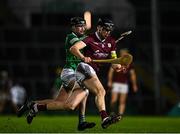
{"points": [[76, 32]]}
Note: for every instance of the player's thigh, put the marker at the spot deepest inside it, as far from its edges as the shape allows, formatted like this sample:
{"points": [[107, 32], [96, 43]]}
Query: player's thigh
{"points": [[115, 91], [114, 97], [62, 95], [122, 98], [86, 76], [94, 85], [76, 96]]}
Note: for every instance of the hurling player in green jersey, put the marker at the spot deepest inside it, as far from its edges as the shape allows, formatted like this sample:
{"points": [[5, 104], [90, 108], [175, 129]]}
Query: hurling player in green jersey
{"points": [[70, 94], [71, 60]]}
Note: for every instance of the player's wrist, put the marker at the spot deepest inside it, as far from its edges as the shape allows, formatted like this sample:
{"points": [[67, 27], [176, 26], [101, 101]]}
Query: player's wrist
{"points": [[82, 58]]}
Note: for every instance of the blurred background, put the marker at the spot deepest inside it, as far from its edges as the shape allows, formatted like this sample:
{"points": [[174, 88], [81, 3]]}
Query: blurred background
{"points": [[32, 36]]}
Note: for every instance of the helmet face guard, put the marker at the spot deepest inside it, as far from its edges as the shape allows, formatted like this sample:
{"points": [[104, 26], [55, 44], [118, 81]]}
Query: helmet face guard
{"points": [[78, 21], [106, 24]]}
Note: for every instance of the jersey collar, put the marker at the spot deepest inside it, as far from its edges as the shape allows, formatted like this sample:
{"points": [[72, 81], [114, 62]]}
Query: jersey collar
{"points": [[74, 34], [99, 37]]}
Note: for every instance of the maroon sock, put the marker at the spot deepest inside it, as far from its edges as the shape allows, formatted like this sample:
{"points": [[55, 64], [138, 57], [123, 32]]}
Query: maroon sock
{"points": [[41, 107], [103, 114]]}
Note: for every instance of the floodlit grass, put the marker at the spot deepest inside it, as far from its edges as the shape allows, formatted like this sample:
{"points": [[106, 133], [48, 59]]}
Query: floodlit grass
{"points": [[68, 124]]}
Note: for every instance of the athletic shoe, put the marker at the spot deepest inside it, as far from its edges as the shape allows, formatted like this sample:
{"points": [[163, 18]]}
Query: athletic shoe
{"points": [[86, 125], [31, 115], [110, 120], [27, 106], [116, 117], [106, 122]]}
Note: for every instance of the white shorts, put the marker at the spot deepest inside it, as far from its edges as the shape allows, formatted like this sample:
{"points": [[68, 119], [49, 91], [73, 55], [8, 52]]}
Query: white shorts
{"points": [[84, 71], [69, 76], [120, 88]]}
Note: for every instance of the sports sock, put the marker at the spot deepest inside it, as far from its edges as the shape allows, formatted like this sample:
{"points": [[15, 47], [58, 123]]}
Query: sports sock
{"points": [[81, 118], [40, 107], [103, 114], [121, 114]]}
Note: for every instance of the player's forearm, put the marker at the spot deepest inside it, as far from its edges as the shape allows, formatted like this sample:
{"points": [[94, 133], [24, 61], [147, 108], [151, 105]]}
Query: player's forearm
{"points": [[134, 82], [110, 74], [76, 51], [132, 75], [110, 77], [133, 79]]}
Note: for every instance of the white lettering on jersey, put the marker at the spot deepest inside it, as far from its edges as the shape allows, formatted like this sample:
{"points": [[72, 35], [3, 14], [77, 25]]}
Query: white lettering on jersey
{"points": [[100, 54], [97, 51]]}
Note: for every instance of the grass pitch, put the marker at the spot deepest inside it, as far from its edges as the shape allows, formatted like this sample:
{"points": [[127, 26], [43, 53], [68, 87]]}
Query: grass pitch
{"points": [[68, 124]]}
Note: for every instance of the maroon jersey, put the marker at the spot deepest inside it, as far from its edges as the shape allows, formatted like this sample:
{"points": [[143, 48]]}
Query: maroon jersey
{"points": [[122, 77], [98, 49]]}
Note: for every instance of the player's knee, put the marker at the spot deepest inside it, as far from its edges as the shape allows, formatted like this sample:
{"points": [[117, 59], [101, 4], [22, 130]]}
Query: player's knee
{"points": [[113, 101], [122, 102], [101, 92], [70, 106], [87, 92]]}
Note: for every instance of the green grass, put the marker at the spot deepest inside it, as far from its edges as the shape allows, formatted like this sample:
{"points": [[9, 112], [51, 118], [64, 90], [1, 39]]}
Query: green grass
{"points": [[64, 124]]}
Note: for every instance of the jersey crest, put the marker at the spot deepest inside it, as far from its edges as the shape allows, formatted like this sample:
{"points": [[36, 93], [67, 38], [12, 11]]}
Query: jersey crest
{"points": [[109, 45]]}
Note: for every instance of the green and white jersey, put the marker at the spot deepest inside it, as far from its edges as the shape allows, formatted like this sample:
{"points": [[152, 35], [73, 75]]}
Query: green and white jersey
{"points": [[71, 60]]}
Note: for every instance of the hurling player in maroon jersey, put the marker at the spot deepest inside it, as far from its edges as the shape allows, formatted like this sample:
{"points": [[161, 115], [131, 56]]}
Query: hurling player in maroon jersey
{"points": [[100, 44], [118, 82], [96, 46]]}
